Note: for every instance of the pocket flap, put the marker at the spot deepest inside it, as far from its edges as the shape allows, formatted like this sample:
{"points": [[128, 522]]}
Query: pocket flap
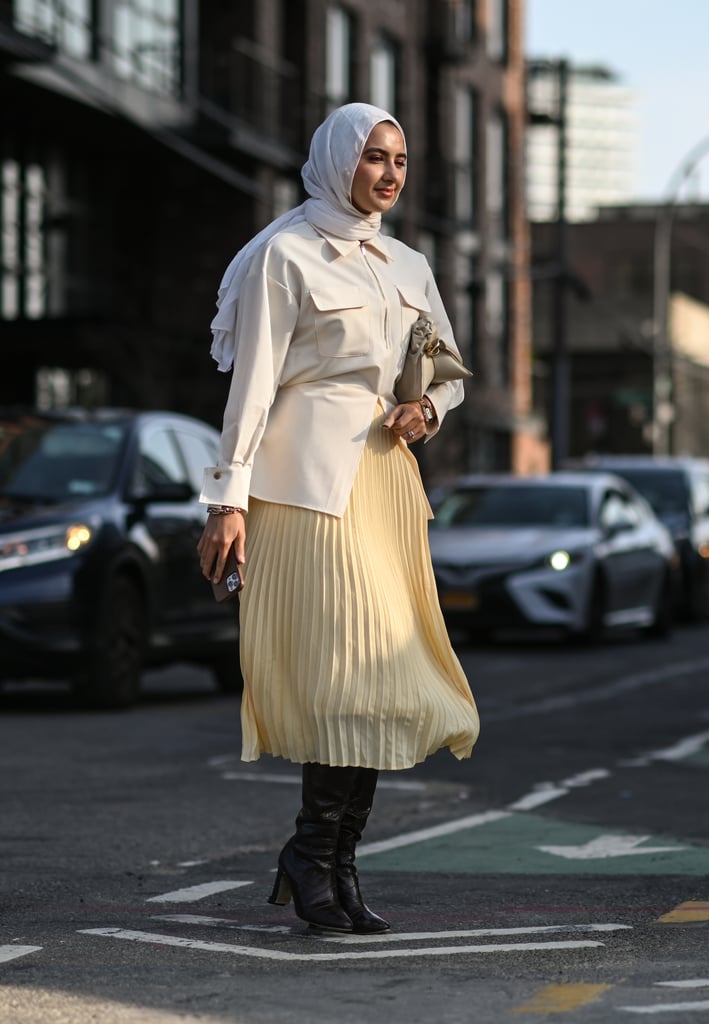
{"points": [[342, 298], [415, 298]]}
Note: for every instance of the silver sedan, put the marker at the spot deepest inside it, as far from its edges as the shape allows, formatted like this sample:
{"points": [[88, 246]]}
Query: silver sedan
{"points": [[573, 552]]}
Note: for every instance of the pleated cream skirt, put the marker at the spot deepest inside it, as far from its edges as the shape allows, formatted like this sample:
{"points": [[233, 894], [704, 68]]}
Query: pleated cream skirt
{"points": [[344, 651]]}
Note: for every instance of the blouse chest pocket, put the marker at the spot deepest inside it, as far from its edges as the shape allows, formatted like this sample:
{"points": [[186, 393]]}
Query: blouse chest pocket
{"points": [[414, 301], [341, 321]]}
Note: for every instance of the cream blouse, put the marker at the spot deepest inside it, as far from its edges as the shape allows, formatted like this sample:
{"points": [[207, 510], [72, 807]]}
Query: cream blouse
{"points": [[322, 329]]}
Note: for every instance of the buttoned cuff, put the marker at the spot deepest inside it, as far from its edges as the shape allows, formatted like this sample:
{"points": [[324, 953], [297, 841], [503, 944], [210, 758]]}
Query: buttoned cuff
{"points": [[230, 486]]}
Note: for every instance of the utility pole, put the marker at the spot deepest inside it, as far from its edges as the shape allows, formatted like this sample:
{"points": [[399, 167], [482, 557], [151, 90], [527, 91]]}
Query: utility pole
{"points": [[561, 371], [559, 401]]}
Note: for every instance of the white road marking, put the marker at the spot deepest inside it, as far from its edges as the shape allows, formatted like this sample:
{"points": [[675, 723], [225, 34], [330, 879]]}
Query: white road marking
{"points": [[295, 780], [585, 778], [196, 892], [690, 983], [380, 954], [13, 952], [422, 834], [608, 846], [544, 794], [683, 748], [474, 933], [669, 1007], [228, 922], [222, 922]]}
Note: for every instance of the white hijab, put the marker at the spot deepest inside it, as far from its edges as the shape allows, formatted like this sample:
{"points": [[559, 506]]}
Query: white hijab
{"points": [[335, 151]]}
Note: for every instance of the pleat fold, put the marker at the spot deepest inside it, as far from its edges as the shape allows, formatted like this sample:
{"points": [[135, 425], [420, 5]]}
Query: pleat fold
{"points": [[345, 654]]}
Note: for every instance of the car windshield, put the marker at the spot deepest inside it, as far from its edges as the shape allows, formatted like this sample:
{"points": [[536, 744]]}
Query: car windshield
{"points": [[664, 489], [493, 505], [50, 461]]}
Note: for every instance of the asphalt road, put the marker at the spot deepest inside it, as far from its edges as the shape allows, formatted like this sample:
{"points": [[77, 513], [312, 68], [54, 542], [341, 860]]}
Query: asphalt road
{"points": [[559, 874]]}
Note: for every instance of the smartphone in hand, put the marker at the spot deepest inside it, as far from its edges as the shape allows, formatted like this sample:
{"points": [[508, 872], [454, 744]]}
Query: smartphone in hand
{"points": [[232, 581]]}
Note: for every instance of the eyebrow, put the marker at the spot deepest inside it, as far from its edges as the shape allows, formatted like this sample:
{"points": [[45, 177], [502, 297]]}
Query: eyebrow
{"points": [[384, 152]]}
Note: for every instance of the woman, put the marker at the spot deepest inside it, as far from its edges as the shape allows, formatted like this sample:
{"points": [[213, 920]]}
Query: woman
{"points": [[346, 661]]}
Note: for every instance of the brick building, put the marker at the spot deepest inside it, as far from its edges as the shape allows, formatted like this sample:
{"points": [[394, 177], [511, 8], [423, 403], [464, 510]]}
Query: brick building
{"points": [[143, 143]]}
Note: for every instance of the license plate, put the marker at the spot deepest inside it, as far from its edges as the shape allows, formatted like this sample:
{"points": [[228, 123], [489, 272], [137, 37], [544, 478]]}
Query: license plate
{"points": [[460, 599]]}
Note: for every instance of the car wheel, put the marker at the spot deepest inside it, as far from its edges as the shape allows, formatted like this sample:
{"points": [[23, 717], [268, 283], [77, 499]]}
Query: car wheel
{"points": [[594, 629], [662, 617], [227, 672], [112, 673]]}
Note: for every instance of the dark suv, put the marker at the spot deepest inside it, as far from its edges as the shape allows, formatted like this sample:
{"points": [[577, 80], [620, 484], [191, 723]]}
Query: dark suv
{"points": [[99, 574], [677, 488]]}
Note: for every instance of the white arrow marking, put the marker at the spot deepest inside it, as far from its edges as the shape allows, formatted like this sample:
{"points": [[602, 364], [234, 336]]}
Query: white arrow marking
{"points": [[608, 846], [276, 954]]}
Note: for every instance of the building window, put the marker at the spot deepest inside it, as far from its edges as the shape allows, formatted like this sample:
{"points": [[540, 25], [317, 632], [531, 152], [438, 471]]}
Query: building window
{"points": [[22, 242], [464, 155], [147, 44], [496, 188], [383, 74], [67, 25], [497, 29], [339, 56]]}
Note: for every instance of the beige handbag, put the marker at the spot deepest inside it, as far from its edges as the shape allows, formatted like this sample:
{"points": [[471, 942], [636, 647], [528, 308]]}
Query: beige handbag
{"points": [[428, 361]]}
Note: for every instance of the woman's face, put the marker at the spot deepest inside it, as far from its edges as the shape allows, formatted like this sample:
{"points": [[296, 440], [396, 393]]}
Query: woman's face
{"points": [[381, 171]]}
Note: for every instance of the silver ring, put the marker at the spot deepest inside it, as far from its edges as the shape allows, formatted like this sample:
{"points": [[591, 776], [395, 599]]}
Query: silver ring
{"points": [[410, 433]]}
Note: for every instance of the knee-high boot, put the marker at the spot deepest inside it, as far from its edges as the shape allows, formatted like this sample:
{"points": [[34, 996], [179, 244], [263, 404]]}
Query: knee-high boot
{"points": [[364, 921], [306, 865]]}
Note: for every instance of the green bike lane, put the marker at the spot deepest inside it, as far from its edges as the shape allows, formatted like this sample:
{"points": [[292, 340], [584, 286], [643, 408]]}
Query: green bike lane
{"points": [[537, 833]]}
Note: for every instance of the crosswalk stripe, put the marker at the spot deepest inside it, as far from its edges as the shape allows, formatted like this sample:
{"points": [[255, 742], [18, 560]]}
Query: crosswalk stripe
{"points": [[13, 952], [668, 1007], [196, 892]]}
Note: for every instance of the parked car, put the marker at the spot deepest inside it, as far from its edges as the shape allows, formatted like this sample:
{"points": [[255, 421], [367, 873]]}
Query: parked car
{"points": [[677, 488], [576, 552], [99, 574]]}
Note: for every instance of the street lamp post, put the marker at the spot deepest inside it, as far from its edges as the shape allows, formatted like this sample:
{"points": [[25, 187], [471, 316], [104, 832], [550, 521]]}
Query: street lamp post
{"points": [[662, 404]]}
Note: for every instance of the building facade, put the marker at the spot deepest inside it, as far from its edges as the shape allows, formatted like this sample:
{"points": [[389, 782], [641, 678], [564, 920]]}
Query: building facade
{"points": [[611, 334], [143, 143], [601, 140]]}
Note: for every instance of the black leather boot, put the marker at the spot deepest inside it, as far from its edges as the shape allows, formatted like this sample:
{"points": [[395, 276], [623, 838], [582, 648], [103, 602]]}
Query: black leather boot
{"points": [[364, 920], [306, 865]]}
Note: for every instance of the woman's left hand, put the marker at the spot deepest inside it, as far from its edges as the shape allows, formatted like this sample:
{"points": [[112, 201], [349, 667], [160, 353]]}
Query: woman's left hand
{"points": [[406, 420]]}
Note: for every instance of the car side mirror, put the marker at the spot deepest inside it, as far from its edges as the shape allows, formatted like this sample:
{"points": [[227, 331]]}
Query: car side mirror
{"points": [[621, 526]]}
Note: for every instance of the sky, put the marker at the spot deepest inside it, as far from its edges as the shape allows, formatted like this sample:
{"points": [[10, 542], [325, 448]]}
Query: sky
{"points": [[660, 50]]}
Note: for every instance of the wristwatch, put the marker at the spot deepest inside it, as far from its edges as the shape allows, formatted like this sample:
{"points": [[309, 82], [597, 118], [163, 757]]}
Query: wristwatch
{"points": [[427, 410]]}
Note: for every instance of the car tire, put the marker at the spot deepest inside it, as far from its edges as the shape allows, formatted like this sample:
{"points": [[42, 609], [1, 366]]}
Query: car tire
{"points": [[227, 672], [111, 675], [662, 618]]}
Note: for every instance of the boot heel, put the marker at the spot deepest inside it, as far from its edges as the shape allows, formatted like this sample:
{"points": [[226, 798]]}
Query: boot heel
{"points": [[281, 889]]}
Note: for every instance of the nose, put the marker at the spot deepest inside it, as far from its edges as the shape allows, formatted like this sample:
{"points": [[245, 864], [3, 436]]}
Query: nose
{"points": [[391, 171]]}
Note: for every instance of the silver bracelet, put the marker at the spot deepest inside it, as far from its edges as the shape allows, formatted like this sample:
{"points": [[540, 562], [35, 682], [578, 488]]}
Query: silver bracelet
{"points": [[224, 510]]}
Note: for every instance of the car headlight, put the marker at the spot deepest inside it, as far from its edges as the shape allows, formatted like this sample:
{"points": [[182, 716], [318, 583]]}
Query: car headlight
{"points": [[33, 547], [560, 559]]}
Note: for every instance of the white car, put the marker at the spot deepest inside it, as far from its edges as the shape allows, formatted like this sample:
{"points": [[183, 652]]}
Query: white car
{"points": [[576, 552]]}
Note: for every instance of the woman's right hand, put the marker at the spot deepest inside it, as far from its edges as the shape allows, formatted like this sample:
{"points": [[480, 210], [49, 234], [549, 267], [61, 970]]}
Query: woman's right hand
{"points": [[219, 534]]}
